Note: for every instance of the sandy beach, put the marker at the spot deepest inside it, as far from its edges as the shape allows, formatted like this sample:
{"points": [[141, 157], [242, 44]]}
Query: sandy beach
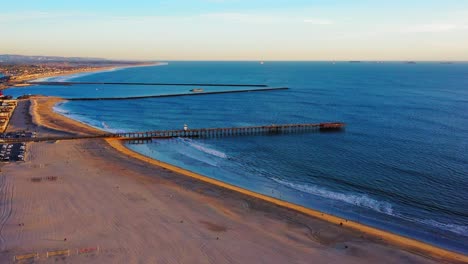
{"points": [[76, 195]]}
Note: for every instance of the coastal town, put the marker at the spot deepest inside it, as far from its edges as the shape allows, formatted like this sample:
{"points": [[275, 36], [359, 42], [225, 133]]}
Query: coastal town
{"points": [[16, 73], [7, 107], [16, 70]]}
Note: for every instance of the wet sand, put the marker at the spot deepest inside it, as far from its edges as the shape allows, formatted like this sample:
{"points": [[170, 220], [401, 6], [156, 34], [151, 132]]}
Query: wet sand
{"points": [[91, 195]]}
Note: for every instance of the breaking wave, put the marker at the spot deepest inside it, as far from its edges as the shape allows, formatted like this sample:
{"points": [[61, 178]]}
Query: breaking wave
{"points": [[458, 229], [363, 200], [60, 109], [360, 200], [206, 149]]}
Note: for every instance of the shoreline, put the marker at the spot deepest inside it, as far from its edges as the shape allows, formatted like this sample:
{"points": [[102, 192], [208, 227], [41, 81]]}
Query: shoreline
{"points": [[42, 107], [412, 245], [395, 238], [19, 83]]}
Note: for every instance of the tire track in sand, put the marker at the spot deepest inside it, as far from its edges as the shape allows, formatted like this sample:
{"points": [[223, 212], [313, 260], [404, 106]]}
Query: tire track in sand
{"points": [[6, 205]]}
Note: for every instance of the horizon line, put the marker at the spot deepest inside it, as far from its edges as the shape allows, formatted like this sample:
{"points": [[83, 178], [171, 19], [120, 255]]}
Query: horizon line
{"points": [[239, 60]]}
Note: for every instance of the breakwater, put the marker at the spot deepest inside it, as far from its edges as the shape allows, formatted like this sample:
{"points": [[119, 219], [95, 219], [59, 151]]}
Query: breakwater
{"points": [[181, 94], [149, 84]]}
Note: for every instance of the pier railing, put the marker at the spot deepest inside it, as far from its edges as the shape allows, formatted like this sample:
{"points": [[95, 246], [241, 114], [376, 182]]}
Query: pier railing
{"points": [[231, 131], [197, 133]]}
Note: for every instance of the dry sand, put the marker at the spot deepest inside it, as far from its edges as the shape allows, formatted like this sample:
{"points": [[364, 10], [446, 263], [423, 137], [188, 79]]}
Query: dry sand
{"points": [[137, 212]]}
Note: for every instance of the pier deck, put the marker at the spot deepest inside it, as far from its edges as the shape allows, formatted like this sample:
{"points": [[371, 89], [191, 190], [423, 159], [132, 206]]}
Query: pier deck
{"points": [[196, 133]]}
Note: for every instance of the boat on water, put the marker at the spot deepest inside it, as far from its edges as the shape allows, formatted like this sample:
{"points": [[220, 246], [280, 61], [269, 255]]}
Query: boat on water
{"points": [[197, 90]]}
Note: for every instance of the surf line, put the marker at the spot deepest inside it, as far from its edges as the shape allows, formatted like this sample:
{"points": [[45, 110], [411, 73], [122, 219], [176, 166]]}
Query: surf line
{"points": [[176, 95], [409, 243]]}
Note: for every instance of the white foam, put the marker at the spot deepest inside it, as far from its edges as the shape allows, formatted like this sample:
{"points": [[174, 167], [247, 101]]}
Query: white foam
{"points": [[194, 154], [363, 200], [107, 128], [206, 149], [360, 200], [105, 125], [457, 229], [58, 108]]}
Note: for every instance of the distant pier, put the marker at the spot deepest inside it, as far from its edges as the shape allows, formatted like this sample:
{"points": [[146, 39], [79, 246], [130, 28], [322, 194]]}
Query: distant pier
{"points": [[197, 133]]}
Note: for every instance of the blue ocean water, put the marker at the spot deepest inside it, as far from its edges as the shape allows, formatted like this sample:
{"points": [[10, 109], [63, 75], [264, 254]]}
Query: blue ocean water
{"points": [[401, 164]]}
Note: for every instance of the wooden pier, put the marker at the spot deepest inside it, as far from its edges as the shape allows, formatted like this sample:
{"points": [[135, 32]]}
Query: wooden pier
{"points": [[141, 137], [231, 131]]}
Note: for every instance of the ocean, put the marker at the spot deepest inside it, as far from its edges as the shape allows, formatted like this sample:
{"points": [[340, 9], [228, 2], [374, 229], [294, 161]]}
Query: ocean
{"points": [[401, 164]]}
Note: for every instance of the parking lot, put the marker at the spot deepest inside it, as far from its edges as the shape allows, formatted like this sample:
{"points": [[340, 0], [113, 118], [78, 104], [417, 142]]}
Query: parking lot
{"points": [[12, 152]]}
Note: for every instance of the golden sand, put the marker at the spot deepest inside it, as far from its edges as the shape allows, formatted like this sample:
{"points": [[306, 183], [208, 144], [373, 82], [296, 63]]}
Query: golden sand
{"points": [[411, 244]]}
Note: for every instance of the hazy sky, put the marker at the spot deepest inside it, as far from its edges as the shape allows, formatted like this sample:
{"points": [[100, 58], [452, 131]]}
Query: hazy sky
{"points": [[237, 29]]}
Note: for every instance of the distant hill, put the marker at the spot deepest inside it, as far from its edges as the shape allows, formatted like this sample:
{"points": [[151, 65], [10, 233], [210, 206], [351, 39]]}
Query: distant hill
{"points": [[14, 59]]}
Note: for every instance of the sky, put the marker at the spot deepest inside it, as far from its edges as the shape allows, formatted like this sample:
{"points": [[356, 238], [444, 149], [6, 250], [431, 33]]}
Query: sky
{"points": [[237, 29]]}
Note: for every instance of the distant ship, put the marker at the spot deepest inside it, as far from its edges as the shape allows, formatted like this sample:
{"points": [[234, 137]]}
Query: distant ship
{"points": [[262, 62], [197, 90]]}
